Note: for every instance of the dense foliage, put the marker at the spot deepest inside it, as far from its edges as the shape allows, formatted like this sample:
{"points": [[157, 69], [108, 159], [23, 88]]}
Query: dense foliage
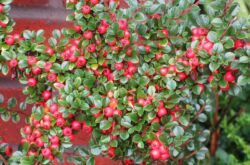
{"points": [[142, 78]]}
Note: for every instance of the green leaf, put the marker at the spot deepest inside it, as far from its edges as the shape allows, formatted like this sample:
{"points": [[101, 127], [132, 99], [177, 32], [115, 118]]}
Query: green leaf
{"points": [[56, 33], [242, 80], [15, 117], [6, 2], [5, 116], [137, 138], [5, 69], [230, 56], [218, 48], [178, 131], [12, 102], [202, 117], [142, 29], [90, 161], [96, 151], [52, 42], [105, 125], [124, 135], [151, 90], [213, 66], [98, 8], [217, 22], [183, 121], [27, 34], [171, 84], [213, 36], [1, 99], [139, 17], [244, 59]]}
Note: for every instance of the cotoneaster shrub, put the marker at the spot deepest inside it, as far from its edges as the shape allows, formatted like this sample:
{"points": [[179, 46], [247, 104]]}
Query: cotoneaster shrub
{"points": [[140, 79]]}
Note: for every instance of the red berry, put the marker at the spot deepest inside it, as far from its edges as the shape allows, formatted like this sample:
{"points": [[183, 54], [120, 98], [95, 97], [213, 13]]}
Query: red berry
{"points": [[164, 71], [52, 77], [225, 89], [158, 56], [53, 108], [164, 156], [50, 51], [229, 77], [77, 28], [86, 128], [37, 133], [210, 78], [76, 125], [141, 102], [32, 60], [46, 125], [108, 112], [27, 130], [39, 142], [155, 154], [202, 31], [238, 44], [111, 152], [165, 32], [102, 29], [67, 131], [94, 2], [47, 66], [46, 95], [13, 63], [162, 112], [190, 53], [60, 122], [126, 34], [32, 82], [88, 35], [119, 66], [46, 152], [81, 61], [129, 52], [122, 24], [9, 40], [125, 42], [86, 9], [32, 153], [202, 87], [8, 151], [182, 76], [36, 71], [1, 8], [91, 48], [155, 145], [54, 140]]}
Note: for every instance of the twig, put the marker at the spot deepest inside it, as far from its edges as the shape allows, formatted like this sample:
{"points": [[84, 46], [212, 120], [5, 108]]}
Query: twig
{"points": [[215, 132], [187, 10], [196, 116], [3, 160], [190, 155], [229, 25]]}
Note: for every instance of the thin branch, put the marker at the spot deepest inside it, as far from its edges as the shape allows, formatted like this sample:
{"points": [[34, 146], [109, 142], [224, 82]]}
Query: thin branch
{"points": [[3, 160], [190, 155], [187, 10]]}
